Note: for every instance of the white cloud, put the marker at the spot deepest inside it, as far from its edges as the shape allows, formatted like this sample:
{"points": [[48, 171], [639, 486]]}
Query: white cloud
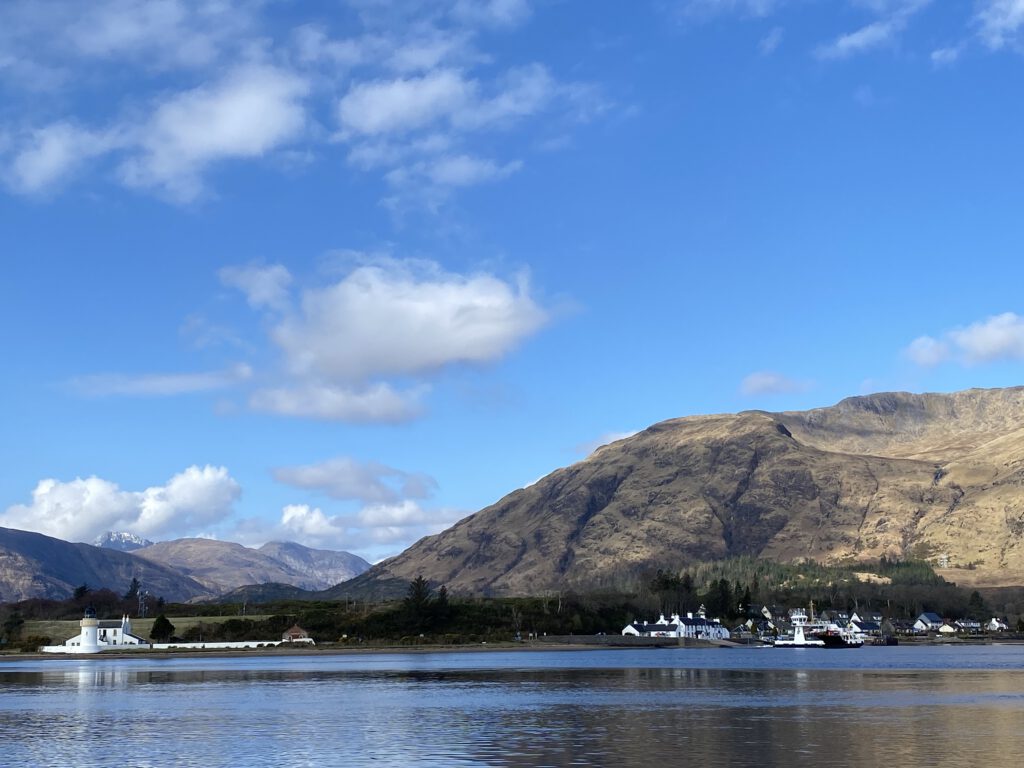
{"points": [[346, 478], [393, 515], [997, 338], [404, 104], [153, 34], [82, 509], [402, 523], [1000, 337], [404, 318], [378, 318], [926, 351], [310, 525], [999, 21], [771, 383], [160, 384], [264, 287], [378, 403], [376, 531], [51, 154], [253, 110]]}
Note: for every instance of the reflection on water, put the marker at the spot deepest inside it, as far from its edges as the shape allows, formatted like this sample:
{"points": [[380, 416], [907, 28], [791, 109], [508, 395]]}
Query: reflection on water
{"points": [[628, 708]]}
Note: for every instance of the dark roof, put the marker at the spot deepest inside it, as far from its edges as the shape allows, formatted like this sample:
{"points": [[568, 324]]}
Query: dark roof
{"points": [[109, 624], [640, 627], [934, 618]]}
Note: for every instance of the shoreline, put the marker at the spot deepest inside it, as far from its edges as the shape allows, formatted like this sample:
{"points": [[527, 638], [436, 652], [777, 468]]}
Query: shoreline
{"points": [[336, 650], [307, 651]]}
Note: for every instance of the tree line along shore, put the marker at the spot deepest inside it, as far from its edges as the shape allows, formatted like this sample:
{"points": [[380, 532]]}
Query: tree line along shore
{"points": [[426, 614]]}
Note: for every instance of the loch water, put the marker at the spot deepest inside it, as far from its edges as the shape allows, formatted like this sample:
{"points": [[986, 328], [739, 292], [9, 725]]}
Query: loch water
{"points": [[898, 706]]}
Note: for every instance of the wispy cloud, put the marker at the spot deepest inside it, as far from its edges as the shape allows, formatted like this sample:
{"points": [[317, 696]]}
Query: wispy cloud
{"points": [[895, 18], [418, 130], [768, 44], [265, 287], [708, 8], [944, 57], [378, 403], [493, 13], [215, 82], [999, 22], [771, 383], [159, 384]]}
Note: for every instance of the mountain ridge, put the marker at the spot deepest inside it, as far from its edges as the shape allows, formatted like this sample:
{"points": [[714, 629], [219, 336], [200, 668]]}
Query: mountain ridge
{"points": [[223, 566], [34, 565], [896, 474]]}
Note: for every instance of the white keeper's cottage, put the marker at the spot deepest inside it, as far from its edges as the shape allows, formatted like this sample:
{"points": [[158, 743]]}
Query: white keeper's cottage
{"points": [[98, 635]]}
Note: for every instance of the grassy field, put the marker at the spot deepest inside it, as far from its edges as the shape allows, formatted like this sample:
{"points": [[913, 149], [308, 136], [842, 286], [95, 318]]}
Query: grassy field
{"points": [[59, 631]]}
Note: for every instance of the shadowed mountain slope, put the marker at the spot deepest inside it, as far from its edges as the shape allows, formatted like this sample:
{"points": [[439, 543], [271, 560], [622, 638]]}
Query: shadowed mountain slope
{"points": [[223, 566], [895, 474], [321, 568], [34, 565]]}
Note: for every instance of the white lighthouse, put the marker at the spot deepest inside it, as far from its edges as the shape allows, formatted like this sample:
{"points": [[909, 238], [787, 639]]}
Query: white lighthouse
{"points": [[90, 632]]}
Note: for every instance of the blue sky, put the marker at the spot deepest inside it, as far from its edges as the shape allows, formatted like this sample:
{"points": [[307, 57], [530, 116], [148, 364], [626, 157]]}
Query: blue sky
{"points": [[343, 273]]}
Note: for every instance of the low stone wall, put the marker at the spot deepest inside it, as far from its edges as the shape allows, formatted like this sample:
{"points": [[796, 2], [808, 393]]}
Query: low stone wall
{"points": [[78, 649]]}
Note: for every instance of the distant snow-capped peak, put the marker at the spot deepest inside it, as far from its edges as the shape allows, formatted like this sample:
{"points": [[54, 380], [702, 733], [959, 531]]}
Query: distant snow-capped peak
{"points": [[121, 540]]}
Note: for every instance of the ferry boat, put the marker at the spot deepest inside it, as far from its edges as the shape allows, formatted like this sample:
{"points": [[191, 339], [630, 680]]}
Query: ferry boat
{"points": [[833, 635], [798, 638], [817, 634]]}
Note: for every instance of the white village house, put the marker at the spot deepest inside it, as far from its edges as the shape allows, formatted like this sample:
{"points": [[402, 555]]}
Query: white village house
{"points": [[697, 627], [970, 626], [928, 622]]}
